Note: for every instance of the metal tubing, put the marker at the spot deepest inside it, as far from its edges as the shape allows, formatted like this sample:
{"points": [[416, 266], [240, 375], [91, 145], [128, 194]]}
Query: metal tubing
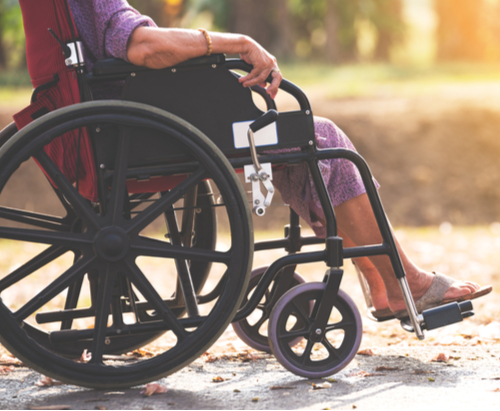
{"points": [[268, 276]]}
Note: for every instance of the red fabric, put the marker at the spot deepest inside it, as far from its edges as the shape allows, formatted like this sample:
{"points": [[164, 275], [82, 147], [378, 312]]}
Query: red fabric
{"points": [[45, 58]]}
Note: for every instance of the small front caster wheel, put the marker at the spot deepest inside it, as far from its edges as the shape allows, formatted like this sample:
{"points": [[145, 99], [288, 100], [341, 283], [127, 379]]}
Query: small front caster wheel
{"points": [[331, 349]]}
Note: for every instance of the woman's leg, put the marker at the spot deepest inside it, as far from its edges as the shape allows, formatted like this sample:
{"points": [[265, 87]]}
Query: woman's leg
{"points": [[355, 218]]}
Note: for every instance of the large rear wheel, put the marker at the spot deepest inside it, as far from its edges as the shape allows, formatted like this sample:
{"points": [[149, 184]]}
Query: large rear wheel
{"points": [[104, 276]]}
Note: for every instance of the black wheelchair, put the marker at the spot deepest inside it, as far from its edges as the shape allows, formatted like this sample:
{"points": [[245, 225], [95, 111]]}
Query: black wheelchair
{"points": [[166, 248]]}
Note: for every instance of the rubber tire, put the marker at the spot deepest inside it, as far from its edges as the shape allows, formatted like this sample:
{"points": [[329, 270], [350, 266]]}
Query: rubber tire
{"points": [[31, 140], [283, 352]]}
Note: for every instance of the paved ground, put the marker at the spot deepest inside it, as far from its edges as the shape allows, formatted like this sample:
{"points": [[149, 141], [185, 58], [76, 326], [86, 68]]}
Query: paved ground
{"points": [[400, 376]]}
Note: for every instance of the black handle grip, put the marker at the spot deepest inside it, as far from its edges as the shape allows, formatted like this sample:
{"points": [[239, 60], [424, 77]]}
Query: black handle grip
{"points": [[264, 120]]}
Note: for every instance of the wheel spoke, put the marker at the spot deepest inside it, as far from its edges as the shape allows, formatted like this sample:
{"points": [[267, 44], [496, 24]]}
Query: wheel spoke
{"points": [[42, 259], [342, 325], [118, 186], [148, 291], [69, 240], [155, 248], [301, 314], [79, 204], [289, 336], [35, 219], [259, 323], [305, 357], [54, 288], [147, 216], [104, 295], [330, 348]]}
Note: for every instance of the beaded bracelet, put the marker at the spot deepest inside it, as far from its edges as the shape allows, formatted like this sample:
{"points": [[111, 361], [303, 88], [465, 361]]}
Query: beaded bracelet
{"points": [[209, 41]]}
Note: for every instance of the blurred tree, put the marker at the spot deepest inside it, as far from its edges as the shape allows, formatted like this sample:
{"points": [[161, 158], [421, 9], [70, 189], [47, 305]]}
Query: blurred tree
{"points": [[461, 32], [341, 36], [267, 21], [165, 13], [388, 20], [11, 35]]}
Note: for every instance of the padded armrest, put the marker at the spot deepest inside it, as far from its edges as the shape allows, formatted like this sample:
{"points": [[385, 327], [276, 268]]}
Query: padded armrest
{"points": [[117, 66]]}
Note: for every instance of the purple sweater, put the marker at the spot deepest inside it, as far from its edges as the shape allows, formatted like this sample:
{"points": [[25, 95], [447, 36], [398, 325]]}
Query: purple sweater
{"points": [[105, 27]]}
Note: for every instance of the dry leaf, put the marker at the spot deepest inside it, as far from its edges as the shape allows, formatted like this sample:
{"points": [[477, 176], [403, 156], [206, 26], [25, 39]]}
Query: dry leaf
{"points": [[208, 357], [365, 374], [384, 368], [256, 399], [431, 379], [4, 369], [321, 386], [47, 382], [153, 389], [86, 356], [236, 390], [100, 407], [218, 379], [8, 360], [282, 387], [51, 407], [368, 352], [496, 390], [442, 357], [140, 353]]}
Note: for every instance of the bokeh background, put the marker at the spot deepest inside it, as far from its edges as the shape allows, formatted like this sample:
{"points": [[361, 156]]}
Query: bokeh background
{"points": [[414, 83]]}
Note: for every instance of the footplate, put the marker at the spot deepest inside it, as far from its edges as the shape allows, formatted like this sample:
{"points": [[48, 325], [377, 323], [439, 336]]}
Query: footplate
{"points": [[441, 316]]}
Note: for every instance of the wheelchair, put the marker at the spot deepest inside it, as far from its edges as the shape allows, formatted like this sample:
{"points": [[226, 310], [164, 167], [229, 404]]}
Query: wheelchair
{"points": [[161, 244]]}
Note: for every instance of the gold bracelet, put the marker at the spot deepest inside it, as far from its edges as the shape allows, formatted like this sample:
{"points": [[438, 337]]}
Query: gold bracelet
{"points": [[209, 41]]}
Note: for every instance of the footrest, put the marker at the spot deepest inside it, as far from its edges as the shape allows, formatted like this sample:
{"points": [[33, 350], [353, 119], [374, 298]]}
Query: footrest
{"points": [[441, 316], [446, 314]]}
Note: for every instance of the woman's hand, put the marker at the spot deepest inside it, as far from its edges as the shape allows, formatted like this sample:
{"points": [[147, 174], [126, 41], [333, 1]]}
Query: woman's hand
{"points": [[159, 48], [263, 64]]}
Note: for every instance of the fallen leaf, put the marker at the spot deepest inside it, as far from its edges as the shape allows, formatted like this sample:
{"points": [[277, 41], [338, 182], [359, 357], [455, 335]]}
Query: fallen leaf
{"points": [[365, 374], [368, 352], [208, 357], [321, 386], [282, 387], [8, 360], [431, 379], [47, 382], [236, 390], [51, 407], [256, 399], [331, 380], [140, 353], [100, 407], [442, 357], [218, 379], [86, 356], [4, 369], [153, 389], [496, 390], [384, 368]]}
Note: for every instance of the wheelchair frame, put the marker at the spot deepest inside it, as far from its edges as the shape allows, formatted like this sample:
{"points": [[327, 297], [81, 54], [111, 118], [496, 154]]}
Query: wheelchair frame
{"points": [[106, 237]]}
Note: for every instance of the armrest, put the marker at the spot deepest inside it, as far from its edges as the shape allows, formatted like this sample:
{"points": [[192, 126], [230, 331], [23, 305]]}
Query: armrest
{"points": [[114, 66]]}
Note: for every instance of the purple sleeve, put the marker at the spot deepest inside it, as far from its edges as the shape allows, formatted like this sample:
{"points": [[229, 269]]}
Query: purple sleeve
{"points": [[105, 26]]}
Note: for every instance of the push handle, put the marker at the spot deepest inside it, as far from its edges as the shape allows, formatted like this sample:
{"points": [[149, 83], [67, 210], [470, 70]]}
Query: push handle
{"points": [[264, 120]]}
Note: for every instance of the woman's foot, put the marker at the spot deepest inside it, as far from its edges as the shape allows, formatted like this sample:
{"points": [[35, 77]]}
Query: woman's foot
{"points": [[431, 290]]}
